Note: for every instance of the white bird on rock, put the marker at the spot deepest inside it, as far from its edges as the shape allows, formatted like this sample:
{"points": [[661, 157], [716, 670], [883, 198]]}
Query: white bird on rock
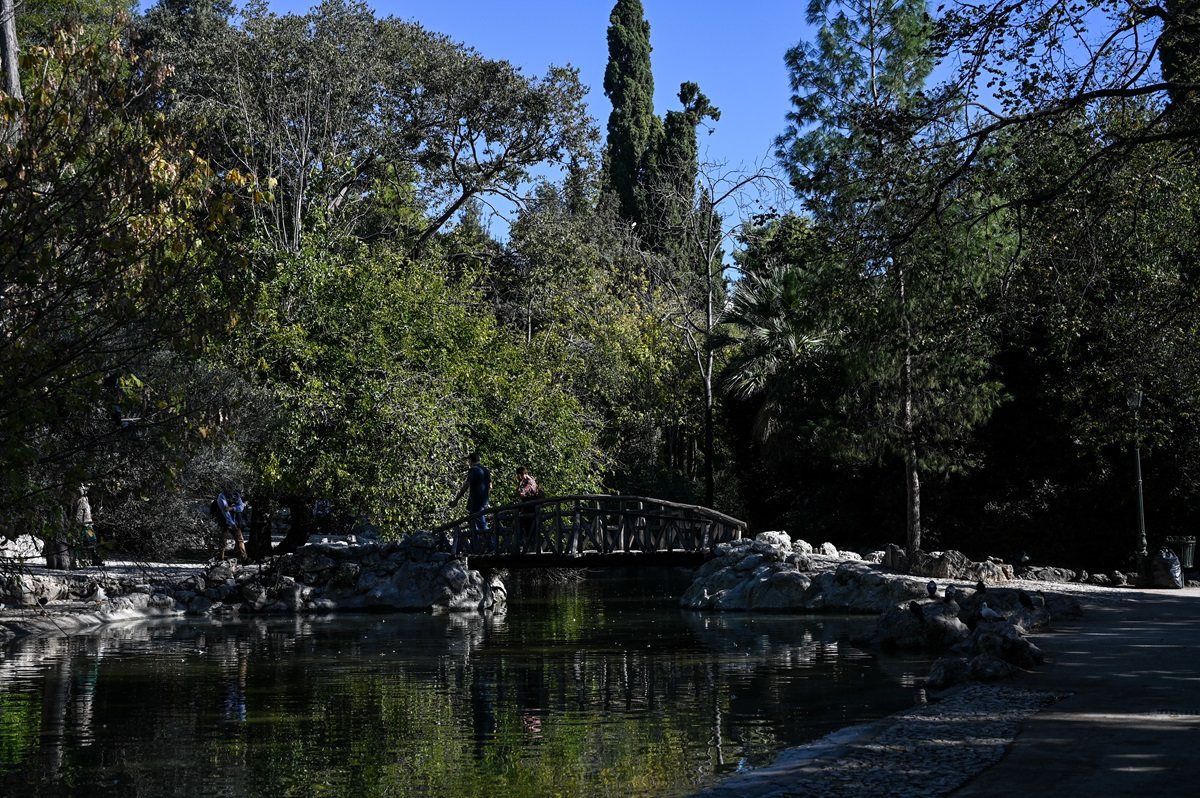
{"points": [[989, 614]]}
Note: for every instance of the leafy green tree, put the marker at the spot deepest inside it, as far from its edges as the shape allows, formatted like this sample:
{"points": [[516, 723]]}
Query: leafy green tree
{"points": [[1179, 48], [776, 324], [336, 112], [690, 272], [97, 20], [1029, 69], [104, 220], [384, 376], [587, 298], [1081, 124]]}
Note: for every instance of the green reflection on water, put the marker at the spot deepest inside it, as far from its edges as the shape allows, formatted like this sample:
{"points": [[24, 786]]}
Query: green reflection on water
{"points": [[588, 690]]}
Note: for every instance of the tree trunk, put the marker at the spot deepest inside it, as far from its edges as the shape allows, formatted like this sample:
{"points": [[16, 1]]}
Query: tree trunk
{"points": [[57, 550], [709, 483], [914, 498], [9, 50], [299, 527], [912, 472]]}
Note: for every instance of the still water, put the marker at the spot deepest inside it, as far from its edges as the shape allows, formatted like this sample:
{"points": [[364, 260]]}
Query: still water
{"points": [[599, 688]]}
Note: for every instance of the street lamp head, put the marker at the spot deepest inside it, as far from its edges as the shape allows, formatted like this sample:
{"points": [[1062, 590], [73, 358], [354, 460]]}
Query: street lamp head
{"points": [[1133, 398]]}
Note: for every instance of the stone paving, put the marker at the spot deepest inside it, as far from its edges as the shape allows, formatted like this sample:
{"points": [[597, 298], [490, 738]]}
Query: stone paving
{"points": [[927, 751], [1107, 714]]}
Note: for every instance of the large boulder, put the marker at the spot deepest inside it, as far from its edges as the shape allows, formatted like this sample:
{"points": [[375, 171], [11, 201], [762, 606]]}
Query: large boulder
{"points": [[860, 587], [947, 672], [937, 626], [986, 668], [1044, 574], [417, 573], [765, 574], [942, 565], [1004, 641], [895, 559], [780, 540], [990, 571], [956, 565]]}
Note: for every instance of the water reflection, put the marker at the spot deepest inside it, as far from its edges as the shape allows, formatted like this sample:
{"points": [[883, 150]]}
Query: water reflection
{"points": [[577, 693]]}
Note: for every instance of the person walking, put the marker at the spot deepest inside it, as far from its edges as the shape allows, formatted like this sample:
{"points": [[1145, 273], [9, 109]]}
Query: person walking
{"points": [[478, 488], [229, 527], [86, 545], [237, 509]]}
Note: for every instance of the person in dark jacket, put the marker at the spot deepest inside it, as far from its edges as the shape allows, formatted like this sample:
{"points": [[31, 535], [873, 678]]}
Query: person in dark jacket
{"points": [[229, 527], [478, 489]]}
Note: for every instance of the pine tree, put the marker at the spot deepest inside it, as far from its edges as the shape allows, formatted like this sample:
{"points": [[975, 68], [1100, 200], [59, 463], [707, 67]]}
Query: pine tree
{"points": [[916, 351]]}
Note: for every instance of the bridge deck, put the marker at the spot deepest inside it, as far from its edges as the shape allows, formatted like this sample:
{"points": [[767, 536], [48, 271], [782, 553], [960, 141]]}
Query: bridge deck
{"points": [[591, 526]]}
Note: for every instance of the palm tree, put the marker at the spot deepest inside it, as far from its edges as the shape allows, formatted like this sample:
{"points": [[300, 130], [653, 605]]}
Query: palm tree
{"points": [[772, 320]]}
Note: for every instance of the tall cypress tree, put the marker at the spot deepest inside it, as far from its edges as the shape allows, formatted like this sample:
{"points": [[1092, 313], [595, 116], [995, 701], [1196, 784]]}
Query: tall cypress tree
{"points": [[672, 168], [633, 129]]}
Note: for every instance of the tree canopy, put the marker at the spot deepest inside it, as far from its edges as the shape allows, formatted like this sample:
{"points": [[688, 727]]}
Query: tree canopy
{"points": [[260, 250]]}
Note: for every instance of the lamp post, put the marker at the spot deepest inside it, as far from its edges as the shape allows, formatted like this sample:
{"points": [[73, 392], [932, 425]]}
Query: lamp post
{"points": [[1134, 400]]}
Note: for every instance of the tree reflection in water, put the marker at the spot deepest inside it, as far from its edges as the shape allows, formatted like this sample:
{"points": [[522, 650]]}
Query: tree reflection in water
{"points": [[593, 689]]}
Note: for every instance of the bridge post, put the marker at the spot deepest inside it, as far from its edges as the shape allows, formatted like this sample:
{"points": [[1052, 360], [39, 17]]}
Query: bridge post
{"points": [[576, 531]]}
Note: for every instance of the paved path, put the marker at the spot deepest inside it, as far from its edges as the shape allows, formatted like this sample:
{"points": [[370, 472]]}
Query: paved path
{"points": [[1132, 725], [1114, 711]]}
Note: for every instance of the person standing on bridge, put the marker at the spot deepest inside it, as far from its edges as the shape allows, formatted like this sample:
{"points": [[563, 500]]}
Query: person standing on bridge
{"points": [[527, 490], [478, 488], [527, 487]]}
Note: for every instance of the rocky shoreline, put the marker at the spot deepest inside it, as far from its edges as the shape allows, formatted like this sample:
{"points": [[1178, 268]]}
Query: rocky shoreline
{"points": [[415, 574], [769, 573], [962, 725]]}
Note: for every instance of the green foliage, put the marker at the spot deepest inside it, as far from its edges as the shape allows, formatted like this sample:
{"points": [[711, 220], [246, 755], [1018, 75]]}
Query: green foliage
{"points": [[633, 129], [386, 375], [103, 217], [909, 295], [1107, 281], [38, 21], [1180, 57], [855, 88], [671, 173], [337, 115], [776, 321]]}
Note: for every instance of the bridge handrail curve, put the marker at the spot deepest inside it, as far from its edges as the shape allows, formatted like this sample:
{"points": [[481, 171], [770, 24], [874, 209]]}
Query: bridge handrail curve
{"points": [[575, 524], [528, 504]]}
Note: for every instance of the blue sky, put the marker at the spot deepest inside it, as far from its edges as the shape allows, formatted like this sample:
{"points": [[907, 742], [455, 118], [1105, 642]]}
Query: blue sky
{"points": [[734, 51]]}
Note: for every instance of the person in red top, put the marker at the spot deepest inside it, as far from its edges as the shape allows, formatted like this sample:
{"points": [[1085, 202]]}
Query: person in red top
{"points": [[527, 490], [527, 487]]}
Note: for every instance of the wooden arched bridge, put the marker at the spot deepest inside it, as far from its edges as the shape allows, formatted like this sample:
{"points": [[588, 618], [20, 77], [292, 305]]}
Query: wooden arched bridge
{"points": [[569, 529]]}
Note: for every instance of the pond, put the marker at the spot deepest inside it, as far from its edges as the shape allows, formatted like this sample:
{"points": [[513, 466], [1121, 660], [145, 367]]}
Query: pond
{"points": [[596, 687]]}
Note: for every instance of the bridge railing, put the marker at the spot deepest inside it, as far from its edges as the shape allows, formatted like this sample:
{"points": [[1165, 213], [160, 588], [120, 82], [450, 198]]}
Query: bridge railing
{"points": [[578, 525]]}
